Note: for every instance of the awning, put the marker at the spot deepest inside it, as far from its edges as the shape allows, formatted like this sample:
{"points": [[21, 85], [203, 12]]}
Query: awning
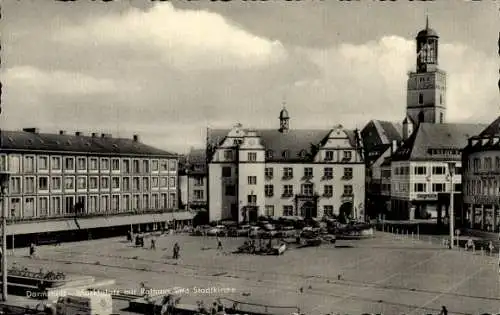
{"points": [[41, 227]]}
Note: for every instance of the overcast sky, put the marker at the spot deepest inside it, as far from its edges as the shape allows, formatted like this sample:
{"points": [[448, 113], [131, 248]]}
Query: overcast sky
{"points": [[168, 70]]}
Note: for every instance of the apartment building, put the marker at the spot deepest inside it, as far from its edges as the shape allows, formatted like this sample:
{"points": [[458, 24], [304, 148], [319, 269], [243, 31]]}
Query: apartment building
{"points": [[193, 180]]}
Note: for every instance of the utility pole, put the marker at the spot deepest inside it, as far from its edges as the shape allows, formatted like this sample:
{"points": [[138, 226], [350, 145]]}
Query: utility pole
{"points": [[451, 214]]}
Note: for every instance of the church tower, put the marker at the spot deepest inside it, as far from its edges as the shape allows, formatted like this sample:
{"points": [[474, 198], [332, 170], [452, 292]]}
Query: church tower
{"points": [[426, 90], [284, 120]]}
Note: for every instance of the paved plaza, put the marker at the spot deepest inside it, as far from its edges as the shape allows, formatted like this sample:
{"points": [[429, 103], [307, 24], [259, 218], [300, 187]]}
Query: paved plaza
{"points": [[383, 274]]}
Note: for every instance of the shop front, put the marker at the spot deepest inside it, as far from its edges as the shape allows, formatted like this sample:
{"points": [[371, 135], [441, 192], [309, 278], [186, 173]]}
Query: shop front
{"points": [[482, 213]]}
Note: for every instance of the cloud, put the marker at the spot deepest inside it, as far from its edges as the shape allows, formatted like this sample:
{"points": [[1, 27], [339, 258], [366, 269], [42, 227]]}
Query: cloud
{"points": [[184, 39]]}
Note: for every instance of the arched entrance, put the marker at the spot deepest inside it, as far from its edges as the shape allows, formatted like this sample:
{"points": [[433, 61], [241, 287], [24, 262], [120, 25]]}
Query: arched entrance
{"points": [[345, 211], [308, 210]]}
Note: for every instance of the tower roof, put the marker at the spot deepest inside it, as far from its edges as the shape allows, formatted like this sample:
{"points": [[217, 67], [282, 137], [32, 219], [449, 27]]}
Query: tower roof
{"points": [[427, 32], [284, 114]]}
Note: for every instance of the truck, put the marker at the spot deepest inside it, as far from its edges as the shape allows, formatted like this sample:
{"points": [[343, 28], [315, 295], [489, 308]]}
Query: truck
{"points": [[84, 303]]}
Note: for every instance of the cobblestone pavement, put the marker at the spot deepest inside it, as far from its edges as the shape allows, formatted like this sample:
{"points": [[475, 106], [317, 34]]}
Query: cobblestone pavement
{"points": [[388, 274]]}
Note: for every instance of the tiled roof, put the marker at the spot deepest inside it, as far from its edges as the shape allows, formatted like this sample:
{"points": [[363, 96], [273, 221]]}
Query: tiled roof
{"points": [[435, 136], [295, 141], [492, 129], [392, 130], [377, 136], [32, 141], [197, 160]]}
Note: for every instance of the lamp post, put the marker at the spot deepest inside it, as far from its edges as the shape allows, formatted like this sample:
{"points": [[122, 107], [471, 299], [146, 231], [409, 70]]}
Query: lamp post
{"points": [[451, 214], [4, 185]]}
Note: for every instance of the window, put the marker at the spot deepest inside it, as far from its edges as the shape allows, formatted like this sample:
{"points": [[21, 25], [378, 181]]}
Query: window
{"points": [[81, 163], [252, 156], [145, 184], [43, 206], [269, 190], [126, 184], [347, 190], [93, 165], [268, 172], [420, 170], [56, 205], [173, 165], [163, 182], [104, 183], [438, 170], [43, 183], [327, 173], [105, 164], [285, 154], [115, 182], [104, 203], [328, 191], [226, 171], [198, 194], [154, 165], [15, 164], [93, 182], [497, 163], [441, 116], [287, 211], [230, 190], [115, 164], [420, 98], [126, 166], [136, 183], [55, 163], [29, 164], [347, 156], [287, 173], [420, 187], [69, 164], [15, 185], [69, 183], [3, 163], [269, 154], [136, 166], [252, 180], [287, 191], [270, 210], [29, 185], [487, 163], [198, 181], [308, 172], [136, 202], [172, 182], [56, 183], [43, 164], [441, 187], [155, 201], [155, 182], [145, 202], [93, 205], [458, 187], [306, 189], [164, 201], [458, 170], [145, 166], [29, 207], [252, 199], [172, 201], [228, 155], [329, 155], [81, 183], [163, 165], [477, 164], [347, 173], [328, 210]]}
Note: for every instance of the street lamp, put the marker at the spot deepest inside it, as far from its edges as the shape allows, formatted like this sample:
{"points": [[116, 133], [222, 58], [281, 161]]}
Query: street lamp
{"points": [[451, 214], [4, 186]]}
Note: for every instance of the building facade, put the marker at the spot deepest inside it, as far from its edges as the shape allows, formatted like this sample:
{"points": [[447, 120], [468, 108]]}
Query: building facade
{"points": [[57, 176], [193, 180], [284, 172], [481, 160]]}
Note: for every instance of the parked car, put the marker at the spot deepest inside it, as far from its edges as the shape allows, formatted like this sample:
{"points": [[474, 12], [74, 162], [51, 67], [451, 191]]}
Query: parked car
{"points": [[219, 230], [243, 230], [287, 231], [255, 231]]}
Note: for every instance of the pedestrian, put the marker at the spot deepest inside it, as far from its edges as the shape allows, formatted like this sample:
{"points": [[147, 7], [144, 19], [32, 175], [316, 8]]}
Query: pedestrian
{"points": [[176, 251], [491, 247], [32, 250], [444, 311], [219, 244], [153, 243]]}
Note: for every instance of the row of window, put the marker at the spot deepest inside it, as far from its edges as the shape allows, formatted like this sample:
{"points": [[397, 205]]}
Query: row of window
{"points": [[307, 190], [288, 210], [489, 187], [64, 205], [485, 164], [229, 155], [288, 173], [421, 170], [44, 184], [436, 187], [32, 164]]}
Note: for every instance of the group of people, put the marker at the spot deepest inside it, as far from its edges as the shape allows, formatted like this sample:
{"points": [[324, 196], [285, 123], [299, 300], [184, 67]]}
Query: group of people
{"points": [[139, 241]]}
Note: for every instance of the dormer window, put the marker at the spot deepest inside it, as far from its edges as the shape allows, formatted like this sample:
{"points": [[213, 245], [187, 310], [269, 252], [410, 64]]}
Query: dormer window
{"points": [[303, 153], [286, 154], [269, 154]]}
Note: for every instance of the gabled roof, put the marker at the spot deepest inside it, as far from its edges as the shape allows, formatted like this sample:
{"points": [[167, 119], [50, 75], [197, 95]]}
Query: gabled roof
{"points": [[297, 142], [377, 136], [32, 141], [491, 130], [428, 137]]}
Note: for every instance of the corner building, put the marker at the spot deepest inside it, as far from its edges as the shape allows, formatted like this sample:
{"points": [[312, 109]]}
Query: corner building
{"points": [[284, 172], [82, 183]]}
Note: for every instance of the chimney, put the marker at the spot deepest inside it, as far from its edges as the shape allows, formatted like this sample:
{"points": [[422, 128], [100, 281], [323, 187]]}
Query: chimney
{"points": [[62, 132], [32, 130], [78, 133], [94, 135], [394, 145], [105, 135], [136, 138]]}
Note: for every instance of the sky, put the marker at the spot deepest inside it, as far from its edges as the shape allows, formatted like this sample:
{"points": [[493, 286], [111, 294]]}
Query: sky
{"points": [[169, 70]]}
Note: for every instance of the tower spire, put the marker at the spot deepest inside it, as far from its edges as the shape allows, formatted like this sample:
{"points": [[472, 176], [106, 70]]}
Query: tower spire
{"points": [[426, 21]]}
